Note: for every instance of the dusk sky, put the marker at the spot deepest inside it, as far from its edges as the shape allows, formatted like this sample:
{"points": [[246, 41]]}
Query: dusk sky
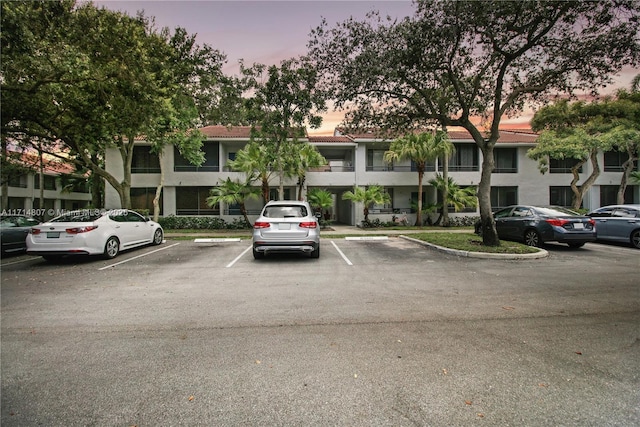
{"points": [[267, 31]]}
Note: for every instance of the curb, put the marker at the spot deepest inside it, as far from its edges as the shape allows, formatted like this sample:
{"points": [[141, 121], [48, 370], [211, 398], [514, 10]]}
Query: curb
{"points": [[468, 254]]}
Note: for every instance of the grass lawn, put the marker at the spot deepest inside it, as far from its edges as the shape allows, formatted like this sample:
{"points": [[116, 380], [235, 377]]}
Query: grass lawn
{"points": [[472, 243]]}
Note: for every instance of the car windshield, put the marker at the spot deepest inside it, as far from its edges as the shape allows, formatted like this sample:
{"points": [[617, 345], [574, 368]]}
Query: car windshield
{"points": [[285, 211], [556, 211], [77, 217]]}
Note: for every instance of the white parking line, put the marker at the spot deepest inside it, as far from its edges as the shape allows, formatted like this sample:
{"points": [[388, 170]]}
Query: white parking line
{"points": [[368, 238], [217, 240], [341, 253], [136, 257], [238, 257], [18, 262]]}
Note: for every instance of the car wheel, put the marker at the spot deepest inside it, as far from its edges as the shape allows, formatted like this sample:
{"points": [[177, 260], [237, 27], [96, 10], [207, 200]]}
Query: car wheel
{"points": [[576, 245], [111, 248], [635, 239], [258, 255], [532, 238], [158, 237], [316, 252]]}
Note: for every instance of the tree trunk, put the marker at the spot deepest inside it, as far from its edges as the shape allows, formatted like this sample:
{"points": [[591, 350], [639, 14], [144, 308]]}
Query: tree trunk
{"points": [[5, 176], [420, 178], [579, 192], [445, 192], [156, 198], [627, 168], [243, 209], [489, 232], [41, 181]]}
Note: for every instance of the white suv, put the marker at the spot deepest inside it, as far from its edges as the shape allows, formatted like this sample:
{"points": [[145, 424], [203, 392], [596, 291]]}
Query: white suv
{"points": [[286, 226]]}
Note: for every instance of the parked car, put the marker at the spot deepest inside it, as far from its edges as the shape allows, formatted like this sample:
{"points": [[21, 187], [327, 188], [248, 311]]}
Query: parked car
{"points": [[535, 225], [93, 232], [13, 232], [618, 223], [286, 226]]}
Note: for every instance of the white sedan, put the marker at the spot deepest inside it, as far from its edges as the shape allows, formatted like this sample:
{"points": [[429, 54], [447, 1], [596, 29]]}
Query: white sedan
{"points": [[93, 232]]}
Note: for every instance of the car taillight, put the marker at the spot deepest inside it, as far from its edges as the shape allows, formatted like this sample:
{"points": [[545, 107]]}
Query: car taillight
{"points": [[308, 224], [77, 230], [260, 224], [35, 231], [557, 221], [592, 222]]}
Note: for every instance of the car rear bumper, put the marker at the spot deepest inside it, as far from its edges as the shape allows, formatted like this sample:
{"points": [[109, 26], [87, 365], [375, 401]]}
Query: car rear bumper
{"points": [[59, 253], [265, 247], [574, 237]]}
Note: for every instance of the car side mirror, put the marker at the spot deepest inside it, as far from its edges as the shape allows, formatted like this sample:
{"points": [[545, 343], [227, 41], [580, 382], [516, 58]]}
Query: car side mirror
{"points": [[318, 215]]}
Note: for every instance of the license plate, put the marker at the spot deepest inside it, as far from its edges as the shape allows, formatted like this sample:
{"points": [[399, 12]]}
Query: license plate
{"points": [[53, 234], [578, 226], [284, 226]]}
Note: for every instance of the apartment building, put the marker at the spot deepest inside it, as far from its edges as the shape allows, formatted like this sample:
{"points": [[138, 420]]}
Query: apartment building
{"points": [[357, 160], [60, 194]]}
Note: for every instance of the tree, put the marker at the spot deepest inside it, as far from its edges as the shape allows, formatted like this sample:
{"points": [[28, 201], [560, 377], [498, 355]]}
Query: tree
{"points": [[299, 159], [233, 193], [458, 198], [372, 195], [470, 63], [320, 200], [102, 82], [420, 149], [282, 100], [581, 130], [255, 160]]}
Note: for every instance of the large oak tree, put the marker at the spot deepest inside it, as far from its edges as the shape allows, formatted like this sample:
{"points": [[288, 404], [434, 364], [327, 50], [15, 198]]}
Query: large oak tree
{"points": [[471, 63]]}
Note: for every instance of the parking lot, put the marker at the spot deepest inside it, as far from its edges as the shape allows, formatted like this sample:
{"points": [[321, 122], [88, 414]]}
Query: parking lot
{"points": [[375, 332]]}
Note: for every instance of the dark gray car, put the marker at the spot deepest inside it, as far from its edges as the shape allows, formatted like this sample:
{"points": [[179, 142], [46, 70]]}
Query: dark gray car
{"points": [[618, 223], [13, 232], [535, 225]]}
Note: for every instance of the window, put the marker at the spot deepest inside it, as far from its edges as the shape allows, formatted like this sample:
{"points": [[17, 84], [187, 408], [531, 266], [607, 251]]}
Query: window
{"points": [[562, 165], [609, 195], [144, 161], [193, 201], [506, 160], [211, 162], [18, 181], [502, 197], [613, 160], [49, 182], [376, 162], [273, 194], [386, 207], [465, 159], [414, 201], [428, 167], [142, 198], [561, 196]]}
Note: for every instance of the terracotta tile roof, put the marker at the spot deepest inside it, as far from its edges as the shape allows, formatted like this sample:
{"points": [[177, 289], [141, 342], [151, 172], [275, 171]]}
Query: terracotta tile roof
{"points": [[219, 131], [506, 135], [52, 166], [226, 132], [332, 139]]}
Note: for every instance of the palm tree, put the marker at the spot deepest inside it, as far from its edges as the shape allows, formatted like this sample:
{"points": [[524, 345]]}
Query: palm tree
{"points": [[320, 200], [255, 160], [457, 197], [634, 177], [232, 193], [372, 195], [420, 149], [299, 158]]}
